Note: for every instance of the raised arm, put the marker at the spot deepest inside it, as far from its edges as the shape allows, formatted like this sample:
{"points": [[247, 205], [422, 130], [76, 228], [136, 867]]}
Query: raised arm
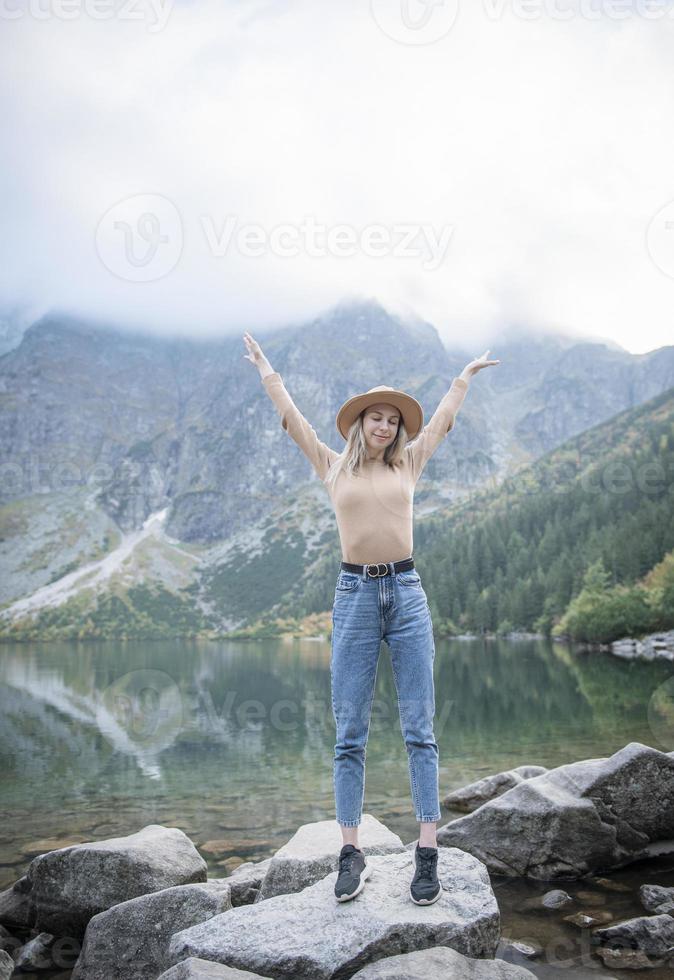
{"points": [[318, 453], [422, 448], [297, 427]]}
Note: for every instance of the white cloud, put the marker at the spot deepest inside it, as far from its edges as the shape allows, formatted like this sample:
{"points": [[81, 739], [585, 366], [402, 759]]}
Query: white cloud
{"points": [[544, 145]]}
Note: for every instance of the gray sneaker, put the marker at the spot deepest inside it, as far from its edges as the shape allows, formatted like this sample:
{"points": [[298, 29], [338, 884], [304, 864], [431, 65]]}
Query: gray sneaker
{"points": [[353, 871], [425, 887]]}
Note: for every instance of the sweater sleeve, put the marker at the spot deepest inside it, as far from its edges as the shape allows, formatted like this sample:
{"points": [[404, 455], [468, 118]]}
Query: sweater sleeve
{"points": [[424, 445], [319, 454]]}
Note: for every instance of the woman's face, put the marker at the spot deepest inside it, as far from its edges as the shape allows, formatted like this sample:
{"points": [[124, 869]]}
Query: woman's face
{"points": [[380, 426]]}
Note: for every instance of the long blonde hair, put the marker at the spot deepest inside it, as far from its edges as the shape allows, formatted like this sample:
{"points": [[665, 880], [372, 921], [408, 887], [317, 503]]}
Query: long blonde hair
{"points": [[354, 454]]}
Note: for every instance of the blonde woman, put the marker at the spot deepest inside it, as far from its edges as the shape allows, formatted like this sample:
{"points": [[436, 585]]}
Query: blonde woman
{"points": [[378, 595]]}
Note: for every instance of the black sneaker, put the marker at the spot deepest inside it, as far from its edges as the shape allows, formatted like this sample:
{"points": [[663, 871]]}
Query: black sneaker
{"points": [[352, 873], [425, 888]]}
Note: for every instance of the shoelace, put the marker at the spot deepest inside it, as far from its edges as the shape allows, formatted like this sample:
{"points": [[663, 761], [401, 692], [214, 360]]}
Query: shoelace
{"points": [[425, 864], [346, 860]]}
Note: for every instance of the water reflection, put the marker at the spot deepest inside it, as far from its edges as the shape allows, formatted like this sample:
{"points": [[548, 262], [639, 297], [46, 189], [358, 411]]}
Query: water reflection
{"points": [[233, 743], [220, 737]]}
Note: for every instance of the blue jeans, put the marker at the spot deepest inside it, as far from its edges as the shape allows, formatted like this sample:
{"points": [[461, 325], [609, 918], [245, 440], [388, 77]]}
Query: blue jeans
{"points": [[365, 611]]}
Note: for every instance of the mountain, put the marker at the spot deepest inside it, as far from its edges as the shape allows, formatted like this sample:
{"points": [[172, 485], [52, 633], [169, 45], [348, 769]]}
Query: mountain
{"points": [[158, 464], [515, 556]]}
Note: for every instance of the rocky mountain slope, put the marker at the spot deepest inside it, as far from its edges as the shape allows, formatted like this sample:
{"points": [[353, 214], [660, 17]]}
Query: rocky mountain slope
{"points": [[138, 461]]}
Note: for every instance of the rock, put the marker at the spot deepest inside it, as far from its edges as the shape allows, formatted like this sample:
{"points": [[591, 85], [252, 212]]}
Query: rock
{"points": [[196, 969], [231, 845], [660, 848], [582, 817], [625, 959], [440, 961], [130, 940], [556, 899], [549, 902], [586, 919], [655, 645], [35, 954], [7, 940], [51, 844], [313, 852], [246, 880], [470, 797], [656, 898], [524, 949], [308, 934], [609, 884], [16, 905], [652, 934], [590, 898], [6, 965], [71, 885]]}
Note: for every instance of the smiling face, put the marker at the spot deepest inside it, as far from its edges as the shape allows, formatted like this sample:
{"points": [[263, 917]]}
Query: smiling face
{"points": [[380, 420]]}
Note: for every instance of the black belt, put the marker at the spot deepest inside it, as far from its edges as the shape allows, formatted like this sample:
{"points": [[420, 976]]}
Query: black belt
{"points": [[380, 568]]}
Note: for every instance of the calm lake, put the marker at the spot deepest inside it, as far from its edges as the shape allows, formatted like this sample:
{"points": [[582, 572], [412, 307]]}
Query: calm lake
{"points": [[233, 743]]}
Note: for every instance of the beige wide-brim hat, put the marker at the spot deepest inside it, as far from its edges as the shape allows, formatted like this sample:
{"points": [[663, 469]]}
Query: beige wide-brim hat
{"points": [[411, 411]]}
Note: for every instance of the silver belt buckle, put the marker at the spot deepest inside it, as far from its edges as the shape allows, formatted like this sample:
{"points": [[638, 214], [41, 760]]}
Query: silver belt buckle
{"points": [[378, 565]]}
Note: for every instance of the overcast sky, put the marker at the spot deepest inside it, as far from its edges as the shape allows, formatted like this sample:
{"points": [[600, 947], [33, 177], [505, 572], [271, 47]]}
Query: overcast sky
{"points": [[207, 167]]}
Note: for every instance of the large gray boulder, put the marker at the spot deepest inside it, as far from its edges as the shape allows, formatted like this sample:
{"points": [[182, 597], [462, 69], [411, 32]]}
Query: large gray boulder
{"points": [[657, 898], [16, 905], [6, 965], [72, 884], [441, 961], [196, 969], [470, 797], [651, 934], [580, 818], [130, 940], [313, 852], [246, 880], [309, 934]]}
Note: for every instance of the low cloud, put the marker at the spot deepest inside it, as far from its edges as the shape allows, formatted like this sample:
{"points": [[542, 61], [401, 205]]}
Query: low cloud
{"points": [[515, 170]]}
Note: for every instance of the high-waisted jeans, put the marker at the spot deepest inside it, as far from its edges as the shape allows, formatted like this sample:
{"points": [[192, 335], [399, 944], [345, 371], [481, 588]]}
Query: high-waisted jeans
{"points": [[365, 611]]}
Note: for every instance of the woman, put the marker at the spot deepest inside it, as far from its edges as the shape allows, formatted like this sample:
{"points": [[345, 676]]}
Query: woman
{"points": [[378, 595]]}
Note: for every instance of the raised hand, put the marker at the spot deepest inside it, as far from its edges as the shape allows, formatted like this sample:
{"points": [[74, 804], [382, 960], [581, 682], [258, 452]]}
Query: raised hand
{"points": [[255, 355], [476, 365]]}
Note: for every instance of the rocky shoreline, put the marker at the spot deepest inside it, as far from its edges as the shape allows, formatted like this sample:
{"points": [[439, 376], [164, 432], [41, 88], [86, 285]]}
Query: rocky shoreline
{"points": [[142, 906], [654, 646]]}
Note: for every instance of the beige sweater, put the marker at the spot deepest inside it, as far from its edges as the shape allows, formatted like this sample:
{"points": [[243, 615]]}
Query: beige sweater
{"points": [[374, 509]]}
